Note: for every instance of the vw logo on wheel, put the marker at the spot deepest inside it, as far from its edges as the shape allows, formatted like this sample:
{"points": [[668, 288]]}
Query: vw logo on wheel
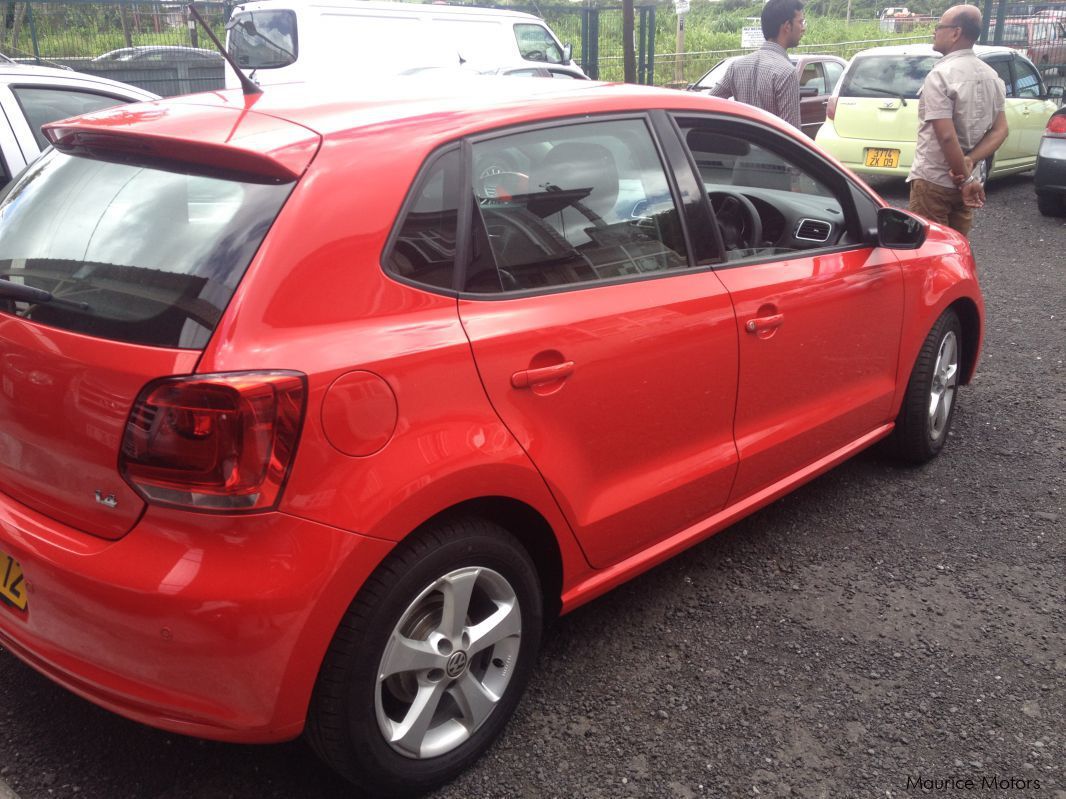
{"points": [[456, 664]]}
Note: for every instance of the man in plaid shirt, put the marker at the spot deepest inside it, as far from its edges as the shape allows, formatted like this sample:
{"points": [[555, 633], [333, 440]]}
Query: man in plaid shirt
{"points": [[766, 78]]}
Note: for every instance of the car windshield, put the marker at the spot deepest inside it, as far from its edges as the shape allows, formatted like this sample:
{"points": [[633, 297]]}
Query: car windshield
{"points": [[131, 253], [262, 39], [887, 75], [714, 77]]}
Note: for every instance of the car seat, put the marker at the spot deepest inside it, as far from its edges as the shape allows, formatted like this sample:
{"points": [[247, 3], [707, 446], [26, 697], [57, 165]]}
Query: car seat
{"points": [[576, 189]]}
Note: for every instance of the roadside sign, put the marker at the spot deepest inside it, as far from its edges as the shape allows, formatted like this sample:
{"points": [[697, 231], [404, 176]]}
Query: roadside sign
{"points": [[681, 6], [751, 37]]}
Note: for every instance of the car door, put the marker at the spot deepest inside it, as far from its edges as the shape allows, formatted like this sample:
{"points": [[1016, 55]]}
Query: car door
{"points": [[812, 78], [819, 312], [605, 343], [1009, 153], [1033, 109]]}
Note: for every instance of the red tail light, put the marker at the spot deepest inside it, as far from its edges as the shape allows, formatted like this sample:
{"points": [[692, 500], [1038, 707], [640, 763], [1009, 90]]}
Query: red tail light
{"points": [[1057, 125], [831, 108], [221, 442]]}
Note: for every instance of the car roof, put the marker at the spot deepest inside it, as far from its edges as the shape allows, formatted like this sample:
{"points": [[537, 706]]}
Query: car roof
{"points": [[438, 106], [12, 73], [927, 49], [377, 5]]}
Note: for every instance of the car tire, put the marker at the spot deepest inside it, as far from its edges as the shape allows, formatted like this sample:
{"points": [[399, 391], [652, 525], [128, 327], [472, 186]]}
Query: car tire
{"points": [[1050, 204], [929, 404], [411, 692]]}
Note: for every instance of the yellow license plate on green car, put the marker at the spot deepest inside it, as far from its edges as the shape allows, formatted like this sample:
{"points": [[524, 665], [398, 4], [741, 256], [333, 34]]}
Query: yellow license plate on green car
{"points": [[12, 584], [876, 156]]}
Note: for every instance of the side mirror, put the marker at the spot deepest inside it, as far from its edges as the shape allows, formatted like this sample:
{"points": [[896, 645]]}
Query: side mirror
{"points": [[808, 91], [568, 52], [900, 230], [1056, 92]]}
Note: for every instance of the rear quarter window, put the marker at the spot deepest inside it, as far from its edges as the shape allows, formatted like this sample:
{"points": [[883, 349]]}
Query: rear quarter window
{"points": [[131, 253]]}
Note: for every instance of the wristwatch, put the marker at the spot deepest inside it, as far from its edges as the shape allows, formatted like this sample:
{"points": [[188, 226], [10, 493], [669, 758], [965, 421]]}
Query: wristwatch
{"points": [[972, 178]]}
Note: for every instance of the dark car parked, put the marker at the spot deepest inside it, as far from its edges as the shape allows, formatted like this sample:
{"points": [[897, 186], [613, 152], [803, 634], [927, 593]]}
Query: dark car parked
{"points": [[818, 74], [1050, 177], [160, 52]]}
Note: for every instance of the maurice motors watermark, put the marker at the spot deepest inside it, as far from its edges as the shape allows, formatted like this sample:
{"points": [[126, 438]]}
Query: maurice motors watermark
{"points": [[987, 782]]}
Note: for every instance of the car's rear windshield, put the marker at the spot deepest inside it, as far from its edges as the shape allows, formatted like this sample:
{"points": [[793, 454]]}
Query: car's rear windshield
{"points": [[263, 39], [887, 76], [131, 253]]}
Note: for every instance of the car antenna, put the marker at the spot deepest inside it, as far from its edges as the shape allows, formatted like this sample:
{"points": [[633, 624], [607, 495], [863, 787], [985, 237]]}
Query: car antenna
{"points": [[248, 86]]}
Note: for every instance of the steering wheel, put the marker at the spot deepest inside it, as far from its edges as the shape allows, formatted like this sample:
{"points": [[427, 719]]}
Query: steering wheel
{"points": [[535, 55], [738, 221]]}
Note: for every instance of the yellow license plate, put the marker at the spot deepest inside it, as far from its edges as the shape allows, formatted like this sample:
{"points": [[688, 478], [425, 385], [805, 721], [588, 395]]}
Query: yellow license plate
{"points": [[12, 584], [876, 156]]}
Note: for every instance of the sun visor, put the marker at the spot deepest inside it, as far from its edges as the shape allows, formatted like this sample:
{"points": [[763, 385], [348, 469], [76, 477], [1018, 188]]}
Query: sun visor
{"points": [[197, 137]]}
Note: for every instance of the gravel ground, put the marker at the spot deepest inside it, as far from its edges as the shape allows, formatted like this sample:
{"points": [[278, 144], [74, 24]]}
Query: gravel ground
{"points": [[879, 627]]}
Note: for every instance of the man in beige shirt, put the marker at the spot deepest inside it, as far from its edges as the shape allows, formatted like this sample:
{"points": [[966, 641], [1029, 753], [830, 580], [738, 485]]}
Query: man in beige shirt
{"points": [[961, 123]]}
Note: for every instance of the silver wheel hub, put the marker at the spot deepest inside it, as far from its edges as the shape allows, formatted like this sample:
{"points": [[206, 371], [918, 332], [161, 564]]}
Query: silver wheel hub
{"points": [[448, 662], [945, 380]]}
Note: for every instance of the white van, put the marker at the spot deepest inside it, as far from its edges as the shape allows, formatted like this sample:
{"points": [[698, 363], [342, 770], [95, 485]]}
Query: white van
{"points": [[278, 41]]}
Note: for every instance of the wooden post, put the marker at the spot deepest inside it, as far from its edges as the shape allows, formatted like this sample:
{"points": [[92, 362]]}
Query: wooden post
{"points": [[679, 63]]}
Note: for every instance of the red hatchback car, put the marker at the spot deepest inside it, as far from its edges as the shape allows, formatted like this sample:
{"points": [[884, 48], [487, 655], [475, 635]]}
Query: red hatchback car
{"points": [[314, 411]]}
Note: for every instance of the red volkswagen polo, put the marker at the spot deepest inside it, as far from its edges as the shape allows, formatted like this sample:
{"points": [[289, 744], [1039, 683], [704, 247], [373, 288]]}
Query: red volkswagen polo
{"points": [[314, 410]]}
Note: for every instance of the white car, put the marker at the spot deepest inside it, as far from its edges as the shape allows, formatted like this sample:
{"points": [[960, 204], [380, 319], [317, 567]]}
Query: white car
{"points": [[32, 96]]}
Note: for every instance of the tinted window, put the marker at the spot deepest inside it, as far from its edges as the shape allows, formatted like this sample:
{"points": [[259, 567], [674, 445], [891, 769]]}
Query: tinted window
{"points": [[886, 76], [571, 205], [536, 43], [263, 39], [1002, 68], [812, 77], [765, 201], [1028, 80], [424, 248], [832, 73], [42, 105], [153, 255]]}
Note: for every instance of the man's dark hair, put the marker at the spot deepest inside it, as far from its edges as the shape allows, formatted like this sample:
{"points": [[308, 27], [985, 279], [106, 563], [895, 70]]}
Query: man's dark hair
{"points": [[776, 13], [969, 22]]}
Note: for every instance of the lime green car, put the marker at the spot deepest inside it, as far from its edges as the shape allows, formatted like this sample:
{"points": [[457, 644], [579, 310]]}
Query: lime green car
{"points": [[872, 119]]}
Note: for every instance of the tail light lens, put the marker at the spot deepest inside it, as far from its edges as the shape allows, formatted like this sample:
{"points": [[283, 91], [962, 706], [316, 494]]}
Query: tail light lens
{"points": [[1056, 126], [221, 442], [831, 108]]}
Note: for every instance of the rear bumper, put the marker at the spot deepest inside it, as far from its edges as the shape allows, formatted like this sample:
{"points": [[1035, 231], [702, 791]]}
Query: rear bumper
{"points": [[852, 152], [1050, 174], [203, 625]]}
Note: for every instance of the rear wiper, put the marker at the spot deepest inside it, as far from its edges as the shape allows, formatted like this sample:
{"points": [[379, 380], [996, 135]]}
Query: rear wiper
{"points": [[897, 95], [24, 293]]}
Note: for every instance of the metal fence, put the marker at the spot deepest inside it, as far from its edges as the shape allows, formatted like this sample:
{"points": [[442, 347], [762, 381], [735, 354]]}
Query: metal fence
{"points": [[76, 33]]}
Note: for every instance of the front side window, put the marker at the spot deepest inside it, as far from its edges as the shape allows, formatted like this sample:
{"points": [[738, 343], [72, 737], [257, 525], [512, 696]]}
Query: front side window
{"points": [[1002, 68], [571, 205], [44, 104], [812, 77], [130, 253], [765, 201], [262, 39], [1029, 84], [887, 76], [535, 43]]}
